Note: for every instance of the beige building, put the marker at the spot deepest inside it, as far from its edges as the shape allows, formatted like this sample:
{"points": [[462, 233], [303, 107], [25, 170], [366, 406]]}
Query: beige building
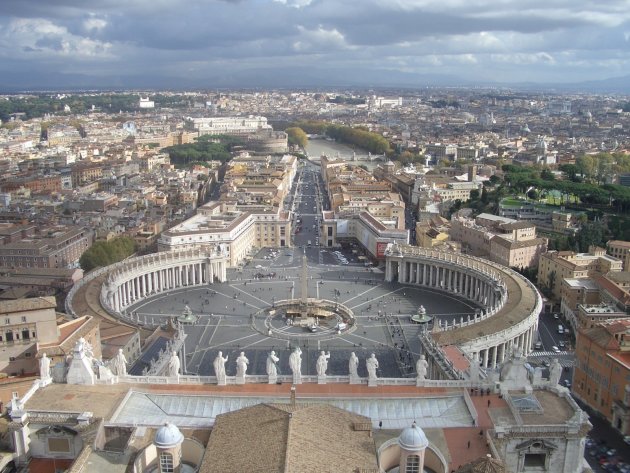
{"points": [[51, 247], [237, 229], [621, 250], [26, 323], [500, 239], [575, 292], [554, 266]]}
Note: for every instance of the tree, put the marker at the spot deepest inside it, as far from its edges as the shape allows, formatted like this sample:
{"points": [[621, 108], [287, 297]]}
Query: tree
{"points": [[104, 253], [297, 136]]}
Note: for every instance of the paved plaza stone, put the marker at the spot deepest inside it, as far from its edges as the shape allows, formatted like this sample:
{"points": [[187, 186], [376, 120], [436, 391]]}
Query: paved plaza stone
{"points": [[231, 316]]}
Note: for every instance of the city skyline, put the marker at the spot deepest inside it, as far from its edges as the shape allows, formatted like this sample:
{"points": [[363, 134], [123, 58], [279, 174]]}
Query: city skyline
{"points": [[293, 43]]}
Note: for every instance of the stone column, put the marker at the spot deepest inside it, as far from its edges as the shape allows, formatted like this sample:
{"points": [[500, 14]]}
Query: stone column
{"points": [[494, 356]]}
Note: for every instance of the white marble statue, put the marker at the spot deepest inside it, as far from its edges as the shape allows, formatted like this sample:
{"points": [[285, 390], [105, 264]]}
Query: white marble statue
{"points": [[173, 365], [272, 359], [353, 365], [119, 363], [219, 367], [422, 368], [322, 363], [44, 367], [241, 365], [372, 365], [295, 361], [555, 372]]}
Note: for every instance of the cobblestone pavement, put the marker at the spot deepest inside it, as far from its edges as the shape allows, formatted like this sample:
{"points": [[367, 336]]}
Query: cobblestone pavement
{"points": [[382, 311]]}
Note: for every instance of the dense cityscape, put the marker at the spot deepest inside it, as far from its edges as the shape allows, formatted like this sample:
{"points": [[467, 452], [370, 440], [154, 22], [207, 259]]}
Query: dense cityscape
{"points": [[315, 280]]}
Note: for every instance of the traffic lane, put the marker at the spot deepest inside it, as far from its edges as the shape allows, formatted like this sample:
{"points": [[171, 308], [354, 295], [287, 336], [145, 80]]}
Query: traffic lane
{"points": [[603, 433]]}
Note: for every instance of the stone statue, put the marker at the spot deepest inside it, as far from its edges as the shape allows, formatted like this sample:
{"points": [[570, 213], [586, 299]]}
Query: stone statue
{"points": [[295, 361], [173, 365], [119, 363], [353, 365], [219, 367], [44, 367], [555, 372], [241, 365], [372, 365], [322, 363], [272, 359], [422, 368]]}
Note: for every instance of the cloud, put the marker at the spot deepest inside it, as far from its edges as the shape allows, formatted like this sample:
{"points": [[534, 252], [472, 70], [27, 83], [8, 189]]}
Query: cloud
{"points": [[42, 38], [545, 39]]}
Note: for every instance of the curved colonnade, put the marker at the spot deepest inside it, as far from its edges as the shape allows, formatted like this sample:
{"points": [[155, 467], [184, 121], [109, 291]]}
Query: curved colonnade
{"points": [[134, 279], [510, 303]]}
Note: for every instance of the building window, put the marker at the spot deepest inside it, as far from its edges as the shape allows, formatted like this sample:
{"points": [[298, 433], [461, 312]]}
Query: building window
{"points": [[413, 464], [58, 445], [166, 463], [535, 460]]}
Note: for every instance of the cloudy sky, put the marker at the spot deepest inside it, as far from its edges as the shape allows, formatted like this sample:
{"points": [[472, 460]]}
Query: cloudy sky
{"points": [[327, 42]]}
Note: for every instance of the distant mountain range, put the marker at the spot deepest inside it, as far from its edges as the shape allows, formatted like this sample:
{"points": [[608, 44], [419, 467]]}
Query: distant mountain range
{"points": [[268, 78]]}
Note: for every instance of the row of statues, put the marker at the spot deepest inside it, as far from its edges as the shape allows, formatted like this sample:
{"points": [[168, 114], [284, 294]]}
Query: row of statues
{"points": [[118, 365], [295, 363]]}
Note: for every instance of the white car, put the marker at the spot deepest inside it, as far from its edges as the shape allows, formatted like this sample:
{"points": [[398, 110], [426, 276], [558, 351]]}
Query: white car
{"points": [[555, 349]]}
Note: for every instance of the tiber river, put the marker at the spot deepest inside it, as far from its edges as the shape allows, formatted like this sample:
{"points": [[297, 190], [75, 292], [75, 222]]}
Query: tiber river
{"points": [[315, 148]]}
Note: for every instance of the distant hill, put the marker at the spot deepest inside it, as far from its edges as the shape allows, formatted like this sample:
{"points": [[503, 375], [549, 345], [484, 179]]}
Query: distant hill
{"points": [[299, 77]]}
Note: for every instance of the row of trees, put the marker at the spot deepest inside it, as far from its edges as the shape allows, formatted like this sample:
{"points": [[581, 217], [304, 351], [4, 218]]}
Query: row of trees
{"points": [[364, 139], [297, 136], [40, 105], [104, 253], [356, 136], [205, 148], [522, 179], [596, 168]]}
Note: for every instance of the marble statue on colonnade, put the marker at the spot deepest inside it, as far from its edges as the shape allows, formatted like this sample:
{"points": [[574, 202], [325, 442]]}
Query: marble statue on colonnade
{"points": [[321, 367], [353, 367], [173, 366], [295, 363], [219, 368], [272, 369], [422, 367], [119, 364], [372, 365], [241, 368]]}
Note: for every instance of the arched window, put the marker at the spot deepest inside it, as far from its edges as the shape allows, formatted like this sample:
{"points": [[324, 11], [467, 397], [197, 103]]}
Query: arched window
{"points": [[166, 463], [413, 464]]}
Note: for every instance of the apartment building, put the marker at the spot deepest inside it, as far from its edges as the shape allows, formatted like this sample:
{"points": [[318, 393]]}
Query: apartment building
{"points": [[25, 322], [51, 247], [236, 229], [502, 240], [621, 250], [372, 233], [602, 371], [575, 292], [545, 217], [554, 266], [228, 125]]}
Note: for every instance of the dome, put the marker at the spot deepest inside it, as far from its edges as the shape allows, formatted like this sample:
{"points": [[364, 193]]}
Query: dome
{"points": [[168, 436], [413, 438]]}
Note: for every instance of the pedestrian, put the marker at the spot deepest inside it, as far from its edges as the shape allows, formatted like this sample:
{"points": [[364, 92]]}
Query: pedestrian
{"points": [[469, 444], [488, 402]]}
